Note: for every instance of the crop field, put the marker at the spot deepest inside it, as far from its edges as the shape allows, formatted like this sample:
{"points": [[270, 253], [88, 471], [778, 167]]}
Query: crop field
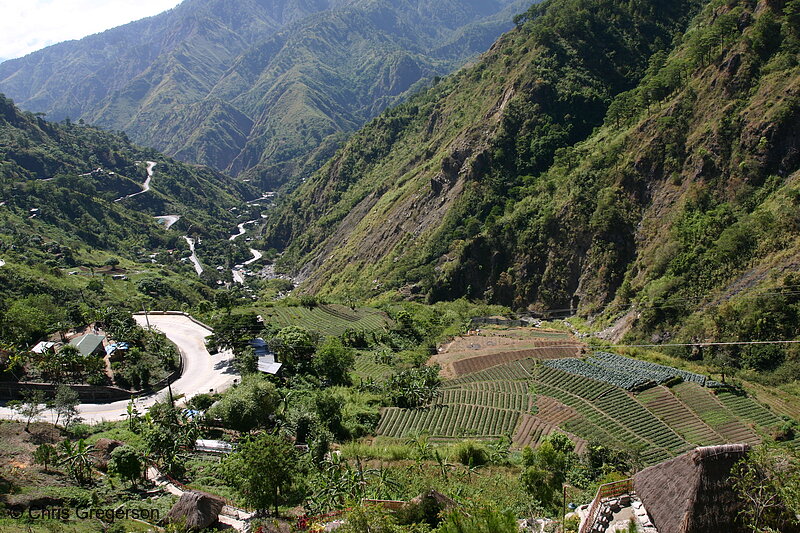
{"points": [[367, 369], [501, 400], [748, 409], [454, 420], [714, 413], [623, 372], [662, 403], [329, 319], [550, 414], [588, 400], [471, 353], [474, 364]]}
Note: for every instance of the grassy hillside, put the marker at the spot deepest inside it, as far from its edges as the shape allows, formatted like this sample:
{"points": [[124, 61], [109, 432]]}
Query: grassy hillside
{"points": [[604, 156], [63, 228]]}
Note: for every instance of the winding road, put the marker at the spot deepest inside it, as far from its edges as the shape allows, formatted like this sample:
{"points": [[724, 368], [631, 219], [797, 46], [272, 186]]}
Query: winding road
{"points": [[145, 185], [202, 371], [238, 273], [242, 231]]}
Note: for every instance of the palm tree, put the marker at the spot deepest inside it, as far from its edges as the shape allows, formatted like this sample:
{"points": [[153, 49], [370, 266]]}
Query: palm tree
{"points": [[78, 459]]}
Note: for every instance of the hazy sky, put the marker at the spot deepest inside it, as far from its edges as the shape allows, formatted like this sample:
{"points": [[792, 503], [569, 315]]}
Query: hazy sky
{"points": [[28, 25]]}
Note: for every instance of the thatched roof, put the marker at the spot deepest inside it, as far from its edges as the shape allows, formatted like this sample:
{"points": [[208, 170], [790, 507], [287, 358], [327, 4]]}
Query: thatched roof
{"points": [[692, 493], [197, 509]]}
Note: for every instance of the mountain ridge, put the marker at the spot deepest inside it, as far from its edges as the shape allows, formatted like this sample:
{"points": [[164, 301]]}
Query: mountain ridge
{"points": [[303, 74]]}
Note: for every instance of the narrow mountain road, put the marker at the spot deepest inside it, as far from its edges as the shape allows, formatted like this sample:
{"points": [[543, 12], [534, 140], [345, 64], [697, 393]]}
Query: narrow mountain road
{"points": [[242, 231], [193, 258], [145, 185], [202, 372], [256, 256], [238, 273]]}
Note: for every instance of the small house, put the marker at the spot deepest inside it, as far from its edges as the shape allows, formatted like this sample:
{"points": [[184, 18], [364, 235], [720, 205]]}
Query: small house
{"points": [[266, 359], [89, 344], [45, 346], [693, 493]]}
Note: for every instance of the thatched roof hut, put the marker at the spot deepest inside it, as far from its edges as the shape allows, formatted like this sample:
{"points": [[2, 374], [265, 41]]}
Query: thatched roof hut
{"points": [[198, 510], [692, 493]]}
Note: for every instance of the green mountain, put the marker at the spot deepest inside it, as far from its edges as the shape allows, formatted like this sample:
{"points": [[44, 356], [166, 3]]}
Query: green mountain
{"points": [[265, 89], [635, 161], [71, 197]]}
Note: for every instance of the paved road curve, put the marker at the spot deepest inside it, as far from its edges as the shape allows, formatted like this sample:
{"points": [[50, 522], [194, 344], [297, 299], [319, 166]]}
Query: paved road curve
{"points": [[201, 372], [145, 185]]}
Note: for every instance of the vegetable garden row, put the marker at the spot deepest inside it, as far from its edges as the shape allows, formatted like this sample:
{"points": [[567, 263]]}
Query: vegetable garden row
{"points": [[366, 368], [456, 420], [661, 402], [500, 400], [703, 402], [624, 372]]}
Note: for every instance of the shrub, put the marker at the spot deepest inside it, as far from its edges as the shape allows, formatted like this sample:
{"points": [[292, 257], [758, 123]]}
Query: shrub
{"points": [[471, 453]]}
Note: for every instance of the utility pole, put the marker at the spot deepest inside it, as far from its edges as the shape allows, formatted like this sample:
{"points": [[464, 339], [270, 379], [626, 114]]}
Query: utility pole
{"points": [[146, 318]]}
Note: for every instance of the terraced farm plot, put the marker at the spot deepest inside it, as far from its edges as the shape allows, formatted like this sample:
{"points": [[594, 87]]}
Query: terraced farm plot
{"points": [[366, 368], [747, 408], [661, 402], [528, 399], [550, 413], [507, 372], [625, 380], [611, 409], [449, 421], [650, 371], [481, 362], [581, 386], [531, 430], [714, 413], [329, 319], [501, 400], [515, 386]]}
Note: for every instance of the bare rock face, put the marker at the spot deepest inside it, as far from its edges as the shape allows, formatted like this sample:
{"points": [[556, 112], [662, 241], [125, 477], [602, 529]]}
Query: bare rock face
{"points": [[197, 510]]}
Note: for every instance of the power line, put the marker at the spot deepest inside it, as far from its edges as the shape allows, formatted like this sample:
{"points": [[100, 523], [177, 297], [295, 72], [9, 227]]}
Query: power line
{"points": [[732, 343]]}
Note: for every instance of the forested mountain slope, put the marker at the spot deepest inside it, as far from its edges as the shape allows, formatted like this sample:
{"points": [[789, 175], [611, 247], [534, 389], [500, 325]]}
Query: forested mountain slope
{"points": [[606, 156], [64, 185], [263, 88]]}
